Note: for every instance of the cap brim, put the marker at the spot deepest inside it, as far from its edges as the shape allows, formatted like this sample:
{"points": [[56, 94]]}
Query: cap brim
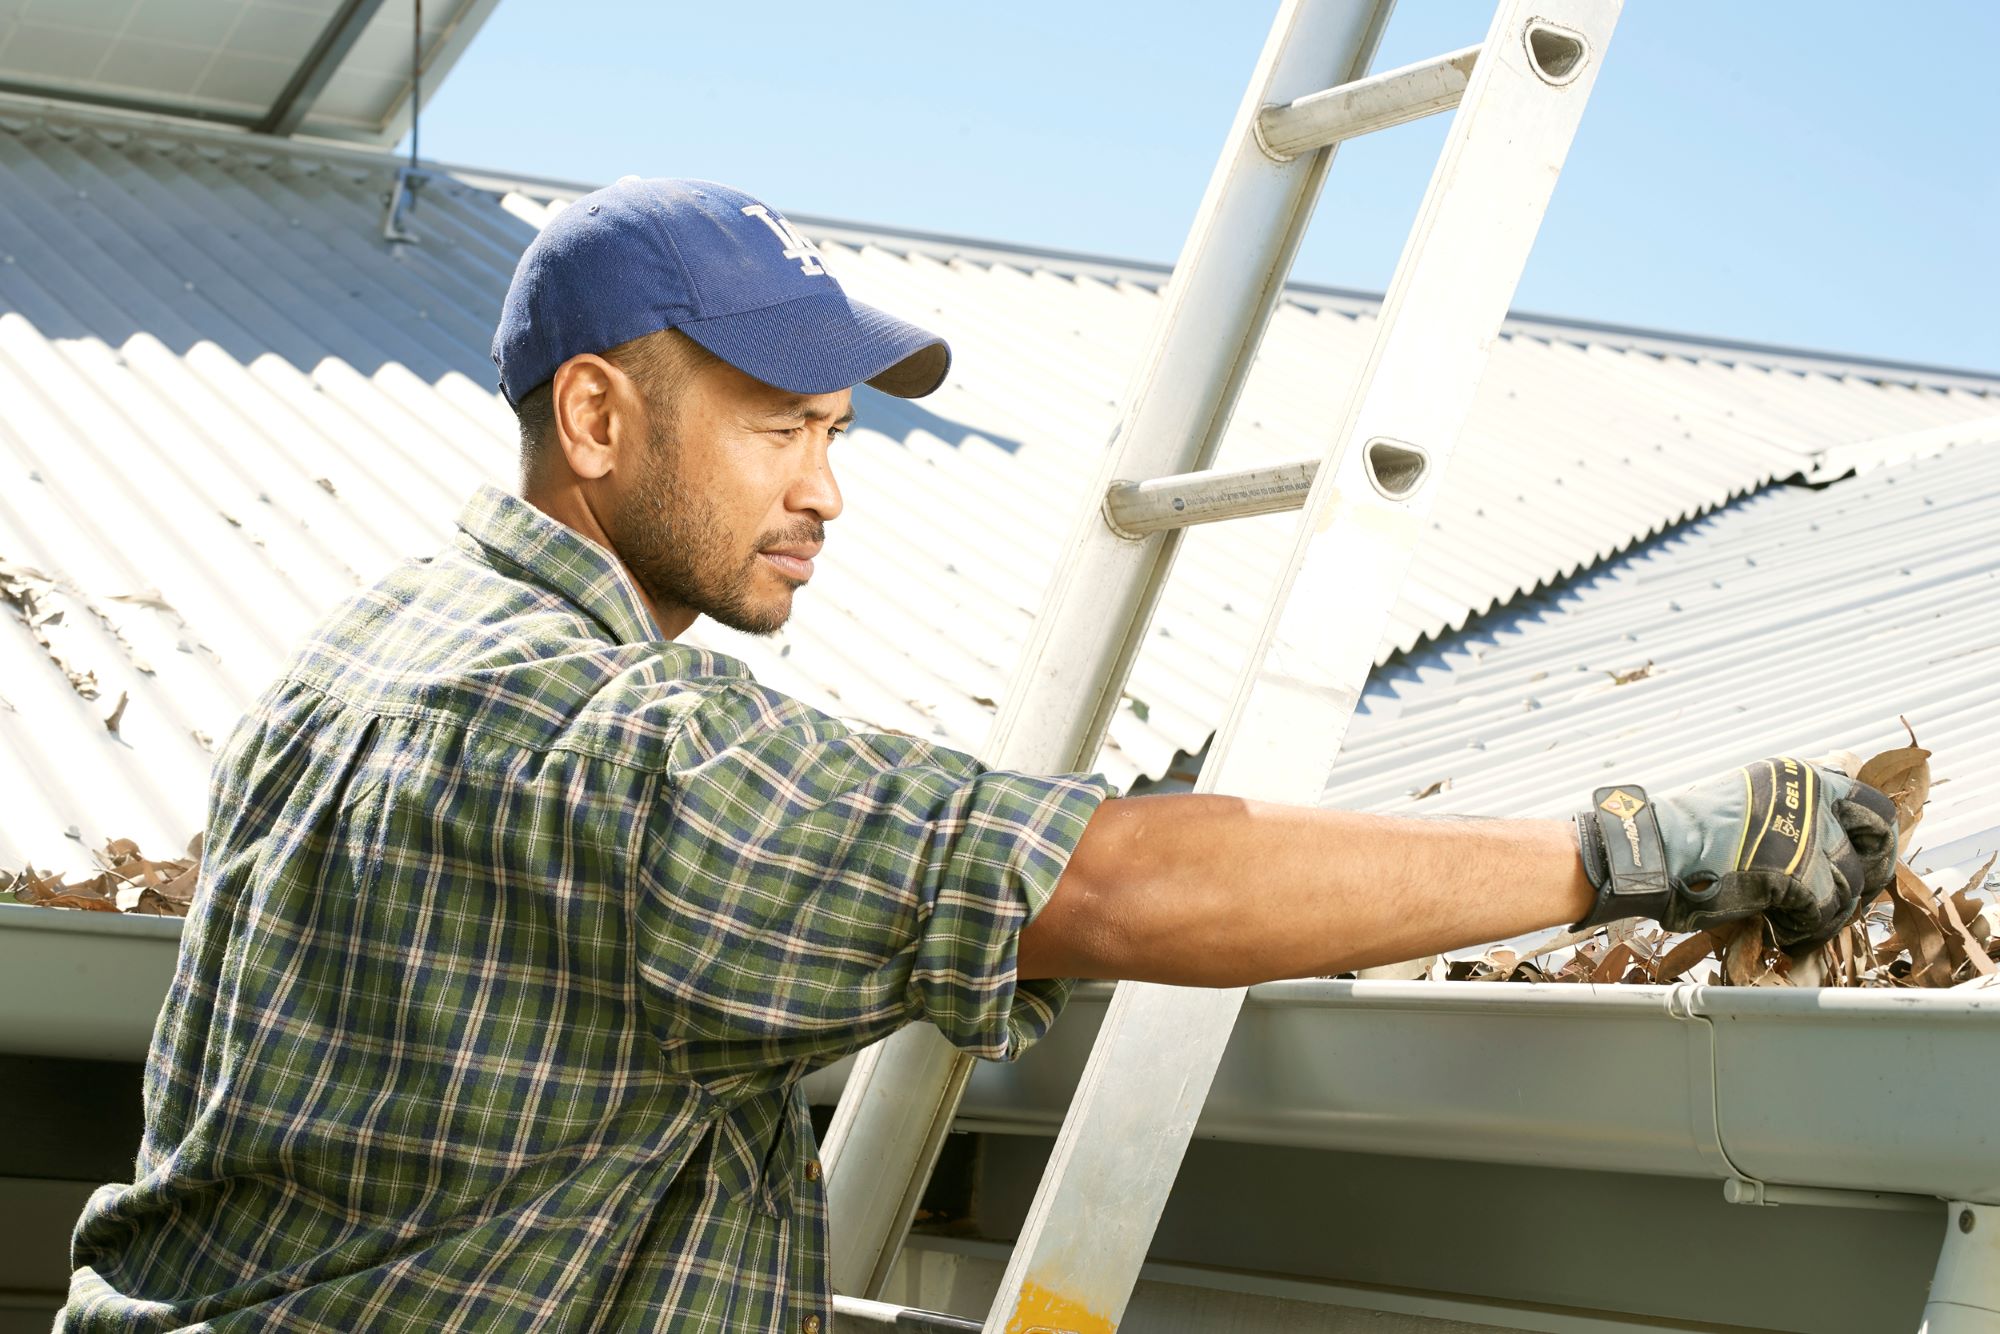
{"points": [[825, 343]]}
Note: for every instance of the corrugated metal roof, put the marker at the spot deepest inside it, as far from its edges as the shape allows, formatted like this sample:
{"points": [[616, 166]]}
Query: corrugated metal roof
{"points": [[224, 399], [1793, 622]]}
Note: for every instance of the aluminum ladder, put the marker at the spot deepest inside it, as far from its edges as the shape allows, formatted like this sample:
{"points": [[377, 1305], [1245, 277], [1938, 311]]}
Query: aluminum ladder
{"points": [[1519, 97]]}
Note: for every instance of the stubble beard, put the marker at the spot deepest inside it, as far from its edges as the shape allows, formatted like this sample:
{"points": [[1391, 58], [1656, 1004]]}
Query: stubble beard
{"points": [[679, 551]]}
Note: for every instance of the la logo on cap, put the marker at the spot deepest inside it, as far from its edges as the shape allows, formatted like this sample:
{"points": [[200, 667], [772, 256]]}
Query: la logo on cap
{"points": [[796, 246]]}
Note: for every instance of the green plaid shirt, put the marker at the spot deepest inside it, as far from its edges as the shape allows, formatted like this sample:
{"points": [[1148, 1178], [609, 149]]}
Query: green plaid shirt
{"points": [[516, 930]]}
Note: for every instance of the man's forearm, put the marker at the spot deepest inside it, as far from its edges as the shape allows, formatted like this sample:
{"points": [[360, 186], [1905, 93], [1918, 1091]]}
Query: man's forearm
{"points": [[1217, 891]]}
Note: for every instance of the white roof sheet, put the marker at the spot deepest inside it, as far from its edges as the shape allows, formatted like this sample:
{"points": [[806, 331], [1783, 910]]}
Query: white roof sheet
{"points": [[1795, 621], [225, 402]]}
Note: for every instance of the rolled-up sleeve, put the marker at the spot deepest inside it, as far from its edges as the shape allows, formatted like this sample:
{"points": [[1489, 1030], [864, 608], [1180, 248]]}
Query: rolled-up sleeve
{"points": [[812, 888]]}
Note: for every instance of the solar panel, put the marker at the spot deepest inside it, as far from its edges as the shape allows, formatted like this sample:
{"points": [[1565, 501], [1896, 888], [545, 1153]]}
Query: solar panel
{"points": [[234, 60]]}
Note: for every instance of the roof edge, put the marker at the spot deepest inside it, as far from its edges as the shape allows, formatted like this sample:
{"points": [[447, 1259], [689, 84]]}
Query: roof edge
{"points": [[945, 246], [1350, 300]]}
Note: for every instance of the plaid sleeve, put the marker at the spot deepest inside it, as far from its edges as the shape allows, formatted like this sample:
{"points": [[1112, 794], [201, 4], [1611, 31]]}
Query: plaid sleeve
{"points": [[813, 888]]}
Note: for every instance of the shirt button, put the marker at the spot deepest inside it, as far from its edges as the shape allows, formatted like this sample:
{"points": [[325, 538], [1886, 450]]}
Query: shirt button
{"points": [[812, 1169], [810, 1325]]}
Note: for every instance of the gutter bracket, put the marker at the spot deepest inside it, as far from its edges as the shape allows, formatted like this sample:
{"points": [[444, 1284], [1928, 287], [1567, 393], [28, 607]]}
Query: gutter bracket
{"points": [[1751, 1191], [1738, 1186], [1704, 1111], [1746, 1190]]}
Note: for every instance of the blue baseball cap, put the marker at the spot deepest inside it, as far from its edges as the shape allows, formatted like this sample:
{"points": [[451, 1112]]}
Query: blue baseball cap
{"points": [[727, 271]]}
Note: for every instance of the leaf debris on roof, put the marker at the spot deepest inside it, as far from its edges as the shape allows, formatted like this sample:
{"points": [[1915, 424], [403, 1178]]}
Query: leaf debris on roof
{"points": [[126, 881]]}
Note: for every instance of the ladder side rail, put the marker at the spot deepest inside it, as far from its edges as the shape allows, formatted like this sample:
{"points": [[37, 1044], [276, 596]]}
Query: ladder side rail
{"points": [[899, 1099], [1225, 286], [1120, 1147]]}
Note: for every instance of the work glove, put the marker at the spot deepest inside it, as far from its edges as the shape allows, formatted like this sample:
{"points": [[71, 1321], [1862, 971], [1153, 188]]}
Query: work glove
{"points": [[1801, 843]]}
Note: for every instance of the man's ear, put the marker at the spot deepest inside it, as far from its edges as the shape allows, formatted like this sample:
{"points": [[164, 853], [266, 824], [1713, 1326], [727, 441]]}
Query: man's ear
{"points": [[586, 402]]}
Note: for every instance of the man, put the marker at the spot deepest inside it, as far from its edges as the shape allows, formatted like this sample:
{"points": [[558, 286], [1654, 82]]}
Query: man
{"points": [[520, 921]]}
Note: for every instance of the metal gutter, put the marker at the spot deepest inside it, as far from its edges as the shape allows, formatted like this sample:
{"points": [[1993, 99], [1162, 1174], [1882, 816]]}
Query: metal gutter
{"points": [[1881, 1093], [1852, 1099], [83, 985]]}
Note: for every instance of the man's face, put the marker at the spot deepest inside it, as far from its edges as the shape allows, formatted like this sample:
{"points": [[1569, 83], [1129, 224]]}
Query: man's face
{"points": [[724, 515]]}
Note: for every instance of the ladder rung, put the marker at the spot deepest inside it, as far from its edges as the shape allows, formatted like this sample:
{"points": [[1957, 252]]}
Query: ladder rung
{"points": [[1134, 509], [1366, 105], [851, 1313]]}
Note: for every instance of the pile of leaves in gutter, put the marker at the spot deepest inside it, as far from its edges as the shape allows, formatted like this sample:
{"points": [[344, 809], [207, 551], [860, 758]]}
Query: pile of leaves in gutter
{"points": [[1910, 936], [125, 882]]}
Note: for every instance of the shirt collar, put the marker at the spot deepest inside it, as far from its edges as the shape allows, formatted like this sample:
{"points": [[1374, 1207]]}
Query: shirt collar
{"points": [[555, 556]]}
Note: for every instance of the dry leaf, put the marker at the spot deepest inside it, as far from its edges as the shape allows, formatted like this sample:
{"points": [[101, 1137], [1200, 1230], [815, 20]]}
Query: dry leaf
{"points": [[126, 882], [1917, 928], [1614, 963], [149, 597], [1742, 953], [1967, 900], [1686, 955], [1806, 970], [1965, 948], [1904, 776], [1583, 963], [83, 902]]}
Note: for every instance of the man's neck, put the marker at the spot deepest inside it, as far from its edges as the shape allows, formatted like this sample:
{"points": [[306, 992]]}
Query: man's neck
{"points": [[567, 504]]}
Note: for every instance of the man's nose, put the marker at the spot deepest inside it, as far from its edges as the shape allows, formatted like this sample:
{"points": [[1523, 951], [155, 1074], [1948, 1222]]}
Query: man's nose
{"points": [[817, 492]]}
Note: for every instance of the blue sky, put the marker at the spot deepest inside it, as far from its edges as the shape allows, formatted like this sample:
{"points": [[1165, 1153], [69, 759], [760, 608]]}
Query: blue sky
{"points": [[1822, 175]]}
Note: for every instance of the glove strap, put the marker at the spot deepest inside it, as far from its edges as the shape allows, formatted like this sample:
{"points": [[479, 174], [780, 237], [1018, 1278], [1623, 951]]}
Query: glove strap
{"points": [[1624, 856]]}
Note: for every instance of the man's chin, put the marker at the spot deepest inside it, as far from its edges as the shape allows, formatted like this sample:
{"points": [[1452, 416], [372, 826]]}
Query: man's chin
{"points": [[763, 618]]}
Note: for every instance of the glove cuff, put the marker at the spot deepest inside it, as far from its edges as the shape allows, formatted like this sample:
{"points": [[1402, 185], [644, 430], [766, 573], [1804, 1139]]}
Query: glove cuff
{"points": [[1624, 856]]}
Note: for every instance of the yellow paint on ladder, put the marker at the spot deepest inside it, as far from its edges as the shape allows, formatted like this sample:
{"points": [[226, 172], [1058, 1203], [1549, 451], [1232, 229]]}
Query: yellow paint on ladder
{"points": [[1043, 1312]]}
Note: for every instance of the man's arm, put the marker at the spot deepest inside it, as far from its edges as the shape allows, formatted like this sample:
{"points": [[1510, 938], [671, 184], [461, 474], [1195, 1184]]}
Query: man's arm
{"points": [[1217, 891]]}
